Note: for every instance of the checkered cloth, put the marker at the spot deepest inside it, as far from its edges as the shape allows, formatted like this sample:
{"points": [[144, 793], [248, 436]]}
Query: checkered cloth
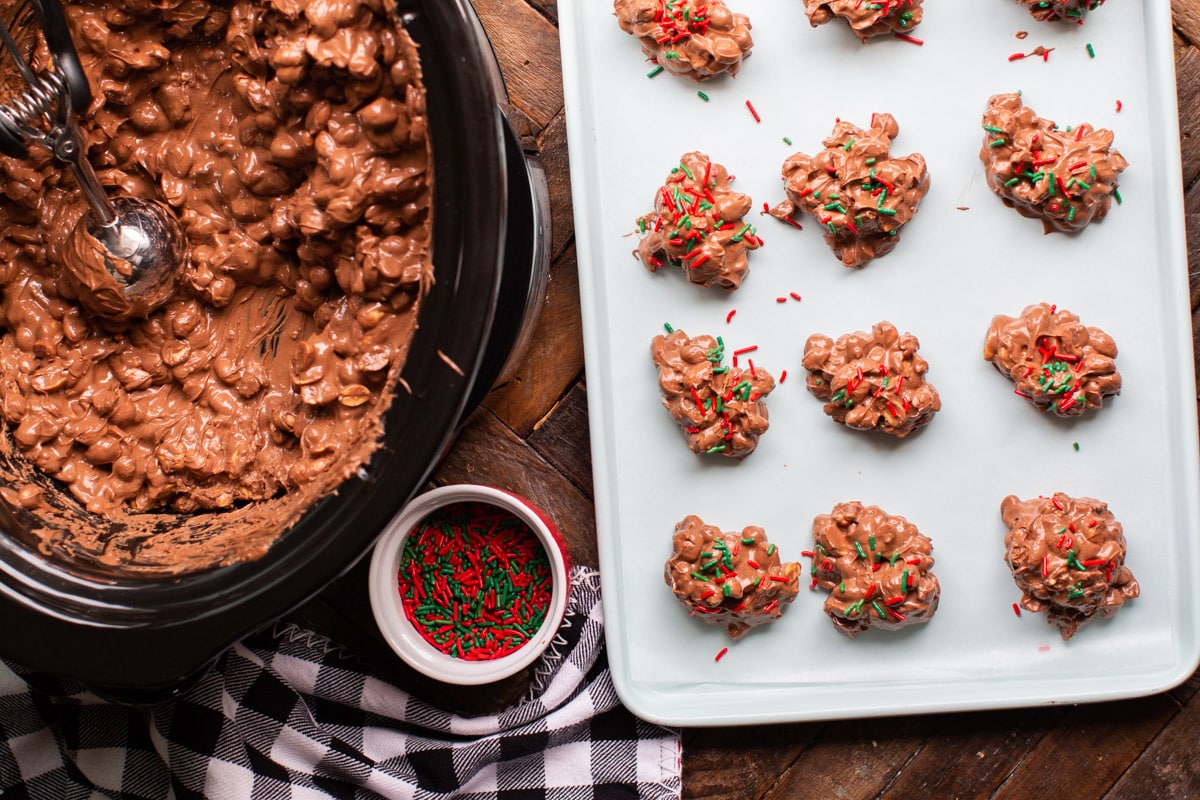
{"points": [[286, 714]]}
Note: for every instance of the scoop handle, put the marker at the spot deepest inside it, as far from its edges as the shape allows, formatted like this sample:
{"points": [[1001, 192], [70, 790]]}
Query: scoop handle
{"points": [[62, 47]]}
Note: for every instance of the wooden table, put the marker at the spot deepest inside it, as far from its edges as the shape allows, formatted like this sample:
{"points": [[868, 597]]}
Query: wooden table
{"points": [[531, 436]]}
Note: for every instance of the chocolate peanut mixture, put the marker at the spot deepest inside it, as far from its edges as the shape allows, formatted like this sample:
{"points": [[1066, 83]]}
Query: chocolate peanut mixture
{"points": [[1067, 556], [720, 408], [1056, 362], [1067, 178], [731, 579], [697, 225], [856, 189], [872, 381], [867, 19], [876, 568], [289, 139], [1066, 10], [698, 39]]}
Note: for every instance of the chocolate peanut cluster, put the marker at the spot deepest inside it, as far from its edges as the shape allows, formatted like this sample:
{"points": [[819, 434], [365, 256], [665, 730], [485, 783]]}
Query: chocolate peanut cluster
{"points": [[731, 579], [876, 568], [860, 194], [1056, 362], [872, 381], [698, 39], [1067, 178], [697, 225], [720, 408], [867, 18], [1065, 10], [1067, 556]]}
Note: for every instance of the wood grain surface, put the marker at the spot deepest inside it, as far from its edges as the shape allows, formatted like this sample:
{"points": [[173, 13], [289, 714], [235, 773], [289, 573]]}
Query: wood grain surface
{"points": [[531, 436]]}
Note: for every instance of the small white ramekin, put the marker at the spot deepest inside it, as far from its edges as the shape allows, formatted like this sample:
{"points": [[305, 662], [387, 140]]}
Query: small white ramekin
{"points": [[400, 633]]}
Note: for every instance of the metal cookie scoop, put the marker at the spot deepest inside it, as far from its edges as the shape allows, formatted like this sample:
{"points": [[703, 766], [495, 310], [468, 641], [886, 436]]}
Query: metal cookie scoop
{"points": [[124, 255]]}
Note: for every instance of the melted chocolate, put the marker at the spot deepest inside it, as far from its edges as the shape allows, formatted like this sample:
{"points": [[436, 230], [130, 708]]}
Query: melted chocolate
{"points": [[289, 139]]}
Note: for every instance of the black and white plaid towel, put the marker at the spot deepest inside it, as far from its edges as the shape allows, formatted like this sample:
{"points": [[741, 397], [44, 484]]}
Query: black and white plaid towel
{"points": [[286, 714]]}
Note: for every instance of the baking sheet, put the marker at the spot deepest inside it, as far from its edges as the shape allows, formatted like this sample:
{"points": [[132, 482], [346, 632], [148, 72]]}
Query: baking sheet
{"points": [[962, 260]]}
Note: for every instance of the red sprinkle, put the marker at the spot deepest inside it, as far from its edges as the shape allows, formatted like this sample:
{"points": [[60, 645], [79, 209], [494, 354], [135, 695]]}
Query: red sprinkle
{"points": [[795, 296], [783, 376], [729, 316], [721, 654], [1016, 609], [904, 37], [1118, 106], [754, 113], [780, 299]]}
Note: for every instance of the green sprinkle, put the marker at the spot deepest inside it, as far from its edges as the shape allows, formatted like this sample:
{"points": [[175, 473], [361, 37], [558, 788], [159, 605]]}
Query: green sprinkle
{"points": [[726, 589], [895, 557], [1010, 182], [1076, 446], [1091, 50], [870, 161], [891, 212], [668, 328], [657, 69], [699, 577], [687, 172], [702, 96], [992, 129], [842, 587], [996, 143], [747, 540], [858, 547], [715, 449], [871, 541], [879, 610], [848, 145], [786, 140], [771, 549], [1117, 196]]}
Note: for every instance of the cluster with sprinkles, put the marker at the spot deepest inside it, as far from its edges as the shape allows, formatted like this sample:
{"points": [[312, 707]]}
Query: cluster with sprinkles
{"points": [[877, 568], [736, 580], [860, 194], [696, 39], [867, 18], [1067, 556], [1067, 178], [1061, 10], [697, 225], [719, 407], [872, 381], [1057, 363]]}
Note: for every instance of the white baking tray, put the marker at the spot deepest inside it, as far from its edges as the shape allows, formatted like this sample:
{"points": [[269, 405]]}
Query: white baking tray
{"points": [[963, 259]]}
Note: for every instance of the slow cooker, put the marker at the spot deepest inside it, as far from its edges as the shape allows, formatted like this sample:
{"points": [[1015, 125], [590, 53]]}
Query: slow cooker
{"points": [[139, 639]]}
